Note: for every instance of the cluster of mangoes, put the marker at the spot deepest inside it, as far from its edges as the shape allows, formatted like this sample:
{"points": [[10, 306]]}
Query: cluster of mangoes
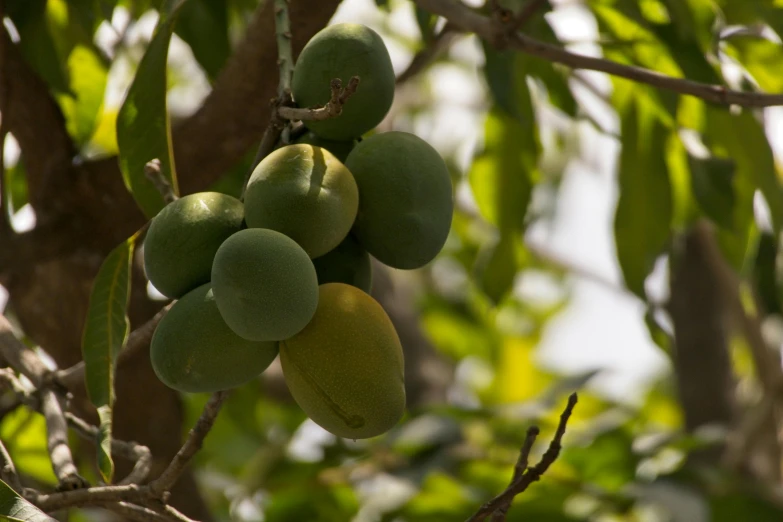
{"points": [[287, 271]]}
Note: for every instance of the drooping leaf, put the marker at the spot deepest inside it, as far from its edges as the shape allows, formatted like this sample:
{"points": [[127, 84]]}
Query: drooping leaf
{"points": [[105, 332], [712, 185], [741, 138], [16, 509], [507, 83], [143, 126], [767, 282], [644, 212], [36, 42], [503, 175], [203, 24], [426, 22], [498, 267]]}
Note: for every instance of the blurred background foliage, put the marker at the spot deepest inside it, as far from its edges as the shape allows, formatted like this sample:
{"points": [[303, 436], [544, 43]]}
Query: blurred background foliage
{"points": [[516, 132]]}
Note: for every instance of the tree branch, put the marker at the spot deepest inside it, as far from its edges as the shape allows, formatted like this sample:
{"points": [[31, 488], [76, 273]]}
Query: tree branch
{"points": [[285, 55], [232, 119], [524, 476], [332, 109], [8, 470], [486, 28], [430, 53], [193, 443], [31, 366]]}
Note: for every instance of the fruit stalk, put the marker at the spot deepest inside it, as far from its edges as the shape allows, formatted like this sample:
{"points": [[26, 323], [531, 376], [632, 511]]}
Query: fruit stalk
{"points": [[285, 56]]}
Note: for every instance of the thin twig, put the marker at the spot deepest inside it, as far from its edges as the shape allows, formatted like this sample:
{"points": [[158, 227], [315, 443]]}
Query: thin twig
{"points": [[24, 360], [137, 340], [133, 451], [8, 470], [519, 469], [153, 173], [332, 109], [135, 512], [430, 53], [285, 63], [485, 27], [193, 443], [521, 481]]}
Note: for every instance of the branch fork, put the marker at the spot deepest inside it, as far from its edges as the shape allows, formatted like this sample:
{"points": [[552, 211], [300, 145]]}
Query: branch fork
{"points": [[523, 475], [332, 109]]}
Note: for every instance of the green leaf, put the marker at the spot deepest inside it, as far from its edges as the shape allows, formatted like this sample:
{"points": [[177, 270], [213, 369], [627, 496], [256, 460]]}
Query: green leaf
{"points": [[16, 183], [88, 80], [105, 332], [507, 83], [143, 126], [426, 22], [712, 185], [203, 24], [498, 267], [741, 137], [16, 509], [37, 44], [503, 175], [105, 462], [644, 213]]}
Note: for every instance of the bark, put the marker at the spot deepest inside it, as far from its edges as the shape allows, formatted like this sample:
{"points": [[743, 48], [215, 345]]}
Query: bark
{"points": [[84, 210], [702, 363]]}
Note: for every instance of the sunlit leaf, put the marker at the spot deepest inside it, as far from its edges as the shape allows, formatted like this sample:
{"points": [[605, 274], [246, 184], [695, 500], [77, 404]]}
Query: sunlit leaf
{"points": [[16, 509], [88, 80], [105, 332], [518, 378], [762, 59], [16, 183], [143, 126], [24, 434]]}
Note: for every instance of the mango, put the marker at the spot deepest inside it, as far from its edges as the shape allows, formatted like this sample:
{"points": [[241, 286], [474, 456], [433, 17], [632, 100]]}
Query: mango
{"points": [[349, 263], [340, 149], [182, 240], [265, 285], [343, 51], [304, 192], [405, 199], [193, 350], [345, 368]]}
